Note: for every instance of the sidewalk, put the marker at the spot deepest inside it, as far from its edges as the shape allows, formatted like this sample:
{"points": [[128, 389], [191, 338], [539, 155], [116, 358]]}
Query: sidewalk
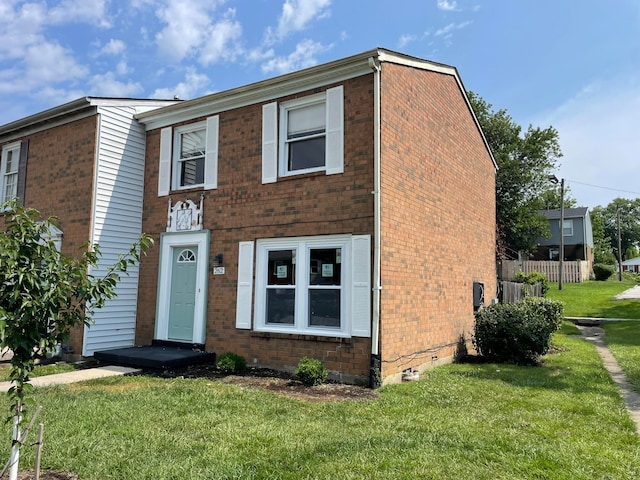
{"points": [[75, 376], [631, 398]]}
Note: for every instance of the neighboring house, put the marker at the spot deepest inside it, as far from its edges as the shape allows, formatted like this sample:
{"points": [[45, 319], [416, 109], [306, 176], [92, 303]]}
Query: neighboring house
{"points": [[578, 237], [84, 163], [344, 212], [631, 265]]}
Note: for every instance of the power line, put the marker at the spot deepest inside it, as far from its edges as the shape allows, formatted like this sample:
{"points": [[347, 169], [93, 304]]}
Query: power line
{"points": [[604, 188]]}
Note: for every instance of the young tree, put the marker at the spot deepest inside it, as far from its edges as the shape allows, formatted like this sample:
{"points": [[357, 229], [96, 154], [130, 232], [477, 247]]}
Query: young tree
{"points": [[44, 294], [602, 245], [525, 161]]}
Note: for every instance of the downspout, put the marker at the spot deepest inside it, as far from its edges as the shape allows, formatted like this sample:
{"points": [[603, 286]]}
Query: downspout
{"points": [[374, 370]]}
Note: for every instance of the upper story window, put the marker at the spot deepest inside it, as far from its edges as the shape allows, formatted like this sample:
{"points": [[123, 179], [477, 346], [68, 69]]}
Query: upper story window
{"points": [[9, 172], [303, 128], [567, 228], [13, 171], [189, 156], [303, 135]]}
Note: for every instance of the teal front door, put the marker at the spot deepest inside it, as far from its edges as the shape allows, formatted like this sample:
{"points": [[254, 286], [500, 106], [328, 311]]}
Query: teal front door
{"points": [[183, 293]]}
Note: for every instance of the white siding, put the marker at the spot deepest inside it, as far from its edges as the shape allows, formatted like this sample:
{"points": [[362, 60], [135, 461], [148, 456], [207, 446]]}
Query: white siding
{"points": [[117, 222]]}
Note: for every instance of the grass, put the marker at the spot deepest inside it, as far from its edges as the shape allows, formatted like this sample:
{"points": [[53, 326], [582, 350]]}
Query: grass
{"points": [[564, 420], [39, 370], [595, 299], [623, 338]]}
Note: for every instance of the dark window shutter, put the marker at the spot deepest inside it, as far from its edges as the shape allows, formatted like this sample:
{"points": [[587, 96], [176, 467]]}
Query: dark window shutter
{"points": [[22, 170]]}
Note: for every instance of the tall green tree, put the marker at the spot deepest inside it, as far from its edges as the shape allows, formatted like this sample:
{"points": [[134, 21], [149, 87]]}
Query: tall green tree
{"points": [[629, 212], [602, 246], [44, 294], [525, 161]]}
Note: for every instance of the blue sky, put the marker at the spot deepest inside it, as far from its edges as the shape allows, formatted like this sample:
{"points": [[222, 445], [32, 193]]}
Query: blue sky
{"points": [[572, 64]]}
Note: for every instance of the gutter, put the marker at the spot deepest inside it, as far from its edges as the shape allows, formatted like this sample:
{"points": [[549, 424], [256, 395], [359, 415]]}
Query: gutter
{"points": [[374, 369]]}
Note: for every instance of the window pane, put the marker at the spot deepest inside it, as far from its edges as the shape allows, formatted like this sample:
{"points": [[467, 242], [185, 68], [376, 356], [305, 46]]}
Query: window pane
{"points": [[193, 144], [281, 305], [281, 266], [325, 266], [192, 172], [324, 308], [11, 187], [309, 153], [306, 120], [12, 161]]}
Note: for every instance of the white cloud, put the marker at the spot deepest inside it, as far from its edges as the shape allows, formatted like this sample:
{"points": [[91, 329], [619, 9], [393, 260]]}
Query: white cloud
{"points": [[90, 11], [51, 63], [114, 47], [302, 57], [451, 27], [107, 85], [222, 40], [447, 5], [192, 86], [599, 140], [296, 15], [24, 29]]}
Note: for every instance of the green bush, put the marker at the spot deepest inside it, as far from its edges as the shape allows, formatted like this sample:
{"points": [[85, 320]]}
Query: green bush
{"points": [[532, 279], [230, 362], [517, 332], [603, 271], [311, 371]]}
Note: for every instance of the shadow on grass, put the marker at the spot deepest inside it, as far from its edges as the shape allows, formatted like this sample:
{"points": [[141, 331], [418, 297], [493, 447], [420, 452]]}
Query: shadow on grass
{"points": [[623, 333], [618, 309]]}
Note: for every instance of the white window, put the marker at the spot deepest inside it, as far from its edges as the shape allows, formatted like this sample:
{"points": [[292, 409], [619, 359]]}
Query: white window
{"points": [[189, 152], [9, 172], [312, 285], [567, 228], [189, 156], [309, 137]]}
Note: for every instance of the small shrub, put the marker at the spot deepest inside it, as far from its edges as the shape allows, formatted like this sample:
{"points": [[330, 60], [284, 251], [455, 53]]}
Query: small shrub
{"points": [[230, 362], [532, 279], [603, 271], [311, 371], [517, 332]]}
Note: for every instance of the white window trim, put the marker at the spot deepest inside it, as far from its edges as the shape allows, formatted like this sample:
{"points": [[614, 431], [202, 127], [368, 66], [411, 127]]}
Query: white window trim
{"points": [[175, 161], [303, 245], [285, 107], [3, 168], [570, 223]]}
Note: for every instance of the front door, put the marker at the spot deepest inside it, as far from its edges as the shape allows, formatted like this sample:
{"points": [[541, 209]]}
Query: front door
{"points": [[183, 293], [181, 310]]}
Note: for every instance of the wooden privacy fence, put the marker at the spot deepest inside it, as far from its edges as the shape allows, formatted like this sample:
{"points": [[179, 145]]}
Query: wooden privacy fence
{"points": [[572, 272], [512, 292]]}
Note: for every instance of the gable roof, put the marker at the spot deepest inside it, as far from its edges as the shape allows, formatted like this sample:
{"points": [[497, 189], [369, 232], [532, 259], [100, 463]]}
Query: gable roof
{"points": [[70, 111], [554, 214], [295, 82]]}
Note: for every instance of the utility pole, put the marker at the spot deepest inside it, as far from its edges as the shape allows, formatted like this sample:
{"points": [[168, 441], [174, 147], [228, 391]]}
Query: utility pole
{"points": [[619, 249], [561, 258]]}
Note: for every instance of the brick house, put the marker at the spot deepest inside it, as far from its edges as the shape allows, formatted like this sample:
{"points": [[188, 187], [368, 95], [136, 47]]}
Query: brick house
{"points": [[343, 212], [83, 162]]}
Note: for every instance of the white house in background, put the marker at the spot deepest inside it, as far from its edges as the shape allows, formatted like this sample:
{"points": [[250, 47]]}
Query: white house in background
{"points": [[631, 265]]}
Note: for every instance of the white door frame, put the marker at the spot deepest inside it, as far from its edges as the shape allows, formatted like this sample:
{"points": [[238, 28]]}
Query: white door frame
{"points": [[168, 241]]}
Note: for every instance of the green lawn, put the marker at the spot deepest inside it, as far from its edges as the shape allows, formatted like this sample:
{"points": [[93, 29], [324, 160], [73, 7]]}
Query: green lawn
{"points": [[564, 420], [595, 299], [623, 338], [40, 370]]}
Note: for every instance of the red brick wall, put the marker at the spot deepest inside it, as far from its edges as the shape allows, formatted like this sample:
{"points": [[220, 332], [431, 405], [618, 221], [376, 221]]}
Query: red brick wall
{"points": [[243, 209], [438, 218], [59, 182]]}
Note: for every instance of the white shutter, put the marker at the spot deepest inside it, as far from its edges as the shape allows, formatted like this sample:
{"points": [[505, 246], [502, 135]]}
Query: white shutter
{"points": [[164, 169], [361, 286], [270, 143], [335, 131], [211, 155], [245, 285]]}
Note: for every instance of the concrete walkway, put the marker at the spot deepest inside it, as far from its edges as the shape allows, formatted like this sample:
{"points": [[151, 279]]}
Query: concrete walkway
{"points": [[631, 398], [632, 293], [75, 376]]}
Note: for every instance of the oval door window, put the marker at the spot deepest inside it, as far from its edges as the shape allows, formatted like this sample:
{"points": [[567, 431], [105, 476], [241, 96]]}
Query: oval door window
{"points": [[187, 256]]}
